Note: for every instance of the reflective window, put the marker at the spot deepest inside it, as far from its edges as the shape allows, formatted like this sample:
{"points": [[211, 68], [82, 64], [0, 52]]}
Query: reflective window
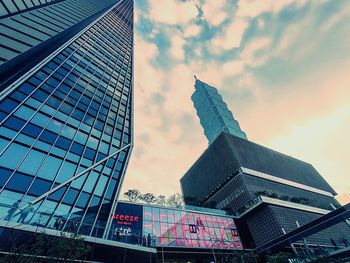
{"points": [[7, 160], [32, 162], [4, 175], [19, 182], [50, 167], [39, 187]]}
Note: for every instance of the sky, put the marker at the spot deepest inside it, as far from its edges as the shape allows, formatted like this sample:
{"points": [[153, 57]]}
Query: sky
{"points": [[281, 66]]}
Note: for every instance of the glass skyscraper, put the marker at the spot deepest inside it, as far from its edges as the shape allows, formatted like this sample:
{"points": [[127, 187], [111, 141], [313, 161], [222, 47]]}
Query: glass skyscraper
{"points": [[66, 114], [213, 113]]}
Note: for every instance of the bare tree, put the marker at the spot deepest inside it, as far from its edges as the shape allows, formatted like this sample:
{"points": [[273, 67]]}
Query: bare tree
{"points": [[149, 198], [132, 194], [161, 200], [176, 200]]}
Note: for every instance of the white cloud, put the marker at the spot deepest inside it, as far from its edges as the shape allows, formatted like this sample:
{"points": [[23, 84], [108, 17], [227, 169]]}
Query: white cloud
{"points": [[232, 35], [214, 11], [261, 23], [192, 30], [172, 12], [317, 139], [253, 8], [250, 55], [336, 18], [176, 49], [233, 67], [304, 103]]}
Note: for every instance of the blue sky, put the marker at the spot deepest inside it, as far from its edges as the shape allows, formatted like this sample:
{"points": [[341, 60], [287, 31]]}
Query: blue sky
{"points": [[281, 66]]}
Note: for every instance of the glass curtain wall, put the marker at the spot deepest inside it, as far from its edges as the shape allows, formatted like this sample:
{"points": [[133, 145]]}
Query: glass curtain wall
{"points": [[72, 118]]}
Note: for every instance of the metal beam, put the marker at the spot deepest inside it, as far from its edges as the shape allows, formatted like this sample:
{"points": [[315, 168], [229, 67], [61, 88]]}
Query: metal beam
{"points": [[76, 176], [315, 226]]}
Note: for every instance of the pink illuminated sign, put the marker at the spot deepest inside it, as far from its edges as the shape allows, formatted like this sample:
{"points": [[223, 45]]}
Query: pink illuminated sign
{"points": [[170, 227]]}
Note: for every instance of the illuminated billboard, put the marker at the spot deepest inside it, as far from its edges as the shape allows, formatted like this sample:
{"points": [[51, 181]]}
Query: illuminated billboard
{"points": [[127, 223], [170, 227], [181, 228]]}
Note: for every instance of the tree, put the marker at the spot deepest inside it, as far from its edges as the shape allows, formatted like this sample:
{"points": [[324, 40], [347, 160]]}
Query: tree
{"points": [[149, 198], [44, 248], [176, 200], [161, 200], [278, 258], [132, 194]]}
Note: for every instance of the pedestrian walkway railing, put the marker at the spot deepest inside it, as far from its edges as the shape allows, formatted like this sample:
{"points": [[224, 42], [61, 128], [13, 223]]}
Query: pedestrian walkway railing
{"points": [[19, 214]]}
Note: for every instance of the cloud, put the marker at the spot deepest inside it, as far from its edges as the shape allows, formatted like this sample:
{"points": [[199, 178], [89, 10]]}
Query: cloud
{"points": [[342, 14], [231, 36], [231, 68], [172, 12], [253, 8], [214, 11], [252, 54], [284, 72], [177, 47], [317, 138], [192, 30]]}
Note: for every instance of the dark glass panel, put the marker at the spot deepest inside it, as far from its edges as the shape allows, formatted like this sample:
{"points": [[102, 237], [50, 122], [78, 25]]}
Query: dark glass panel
{"points": [[111, 189], [100, 156], [83, 199], [70, 197], [77, 148], [39, 187], [89, 153], [57, 195], [8, 105], [2, 115], [18, 96], [26, 88], [32, 130], [53, 102], [40, 95], [48, 136], [63, 143], [19, 182], [4, 175], [14, 123]]}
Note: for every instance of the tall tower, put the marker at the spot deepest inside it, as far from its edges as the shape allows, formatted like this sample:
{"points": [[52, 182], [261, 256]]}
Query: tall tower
{"points": [[66, 118], [213, 113]]}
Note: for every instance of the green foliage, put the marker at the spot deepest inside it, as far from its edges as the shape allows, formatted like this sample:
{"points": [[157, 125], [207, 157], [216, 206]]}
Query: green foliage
{"points": [[161, 200], [327, 259], [148, 198], [278, 258], [176, 200], [299, 200], [43, 248], [132, 194]]}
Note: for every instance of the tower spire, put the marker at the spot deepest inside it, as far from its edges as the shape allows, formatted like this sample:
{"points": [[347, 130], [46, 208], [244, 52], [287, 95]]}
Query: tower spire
{"points": [[213, 113]]}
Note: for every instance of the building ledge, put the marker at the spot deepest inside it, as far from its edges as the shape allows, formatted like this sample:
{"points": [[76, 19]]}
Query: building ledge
{"points": [[52, 232], [273, 201]]}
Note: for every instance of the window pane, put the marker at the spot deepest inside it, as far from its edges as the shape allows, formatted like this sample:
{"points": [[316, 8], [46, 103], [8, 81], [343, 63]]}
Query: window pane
{"points": [[7, 159], [19, 182], [39, 187], [49, 168], [32, 162]]}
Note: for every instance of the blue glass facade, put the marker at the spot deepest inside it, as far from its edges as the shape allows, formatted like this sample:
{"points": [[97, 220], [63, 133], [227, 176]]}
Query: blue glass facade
{"points": [[159, 226], [66, 130], [213, 113], [25, 24]]}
